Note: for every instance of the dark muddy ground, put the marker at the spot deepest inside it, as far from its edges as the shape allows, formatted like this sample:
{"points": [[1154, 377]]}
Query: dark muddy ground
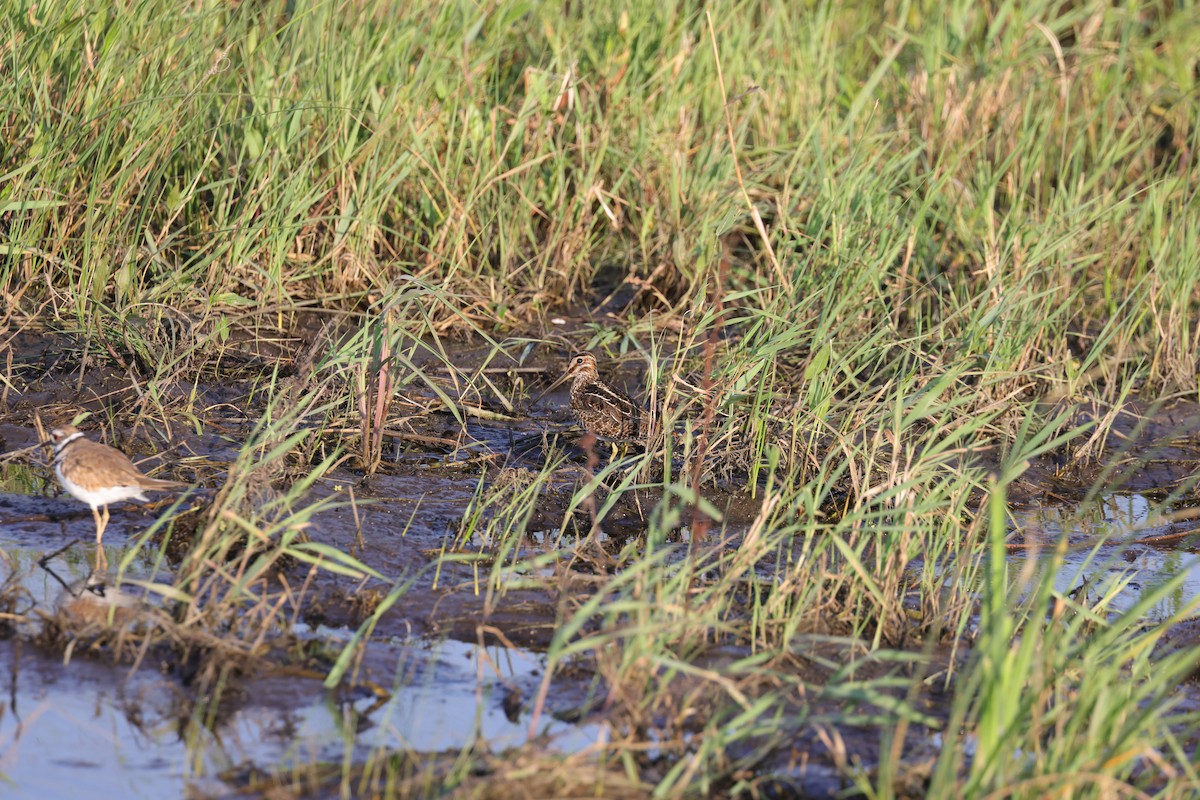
{"points": [[451, 664]]}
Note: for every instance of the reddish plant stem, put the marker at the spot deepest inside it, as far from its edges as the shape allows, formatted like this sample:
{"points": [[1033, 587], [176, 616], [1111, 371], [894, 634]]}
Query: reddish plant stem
{"points": [[701, 521]]}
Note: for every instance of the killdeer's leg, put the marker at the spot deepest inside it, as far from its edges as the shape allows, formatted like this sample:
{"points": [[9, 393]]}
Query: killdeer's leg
{"points": [[101, 523]]}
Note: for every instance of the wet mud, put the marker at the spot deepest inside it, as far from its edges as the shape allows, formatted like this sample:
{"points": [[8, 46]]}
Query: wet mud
{"points": [[455, 665]]}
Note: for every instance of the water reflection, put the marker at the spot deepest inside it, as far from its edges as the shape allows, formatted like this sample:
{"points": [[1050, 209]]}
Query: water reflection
{"points": [[123, 735], [1110, 547], [137, 733]]}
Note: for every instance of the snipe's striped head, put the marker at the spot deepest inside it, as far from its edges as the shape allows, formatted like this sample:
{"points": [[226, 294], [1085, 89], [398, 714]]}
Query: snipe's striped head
{"points": [[583, 365]]}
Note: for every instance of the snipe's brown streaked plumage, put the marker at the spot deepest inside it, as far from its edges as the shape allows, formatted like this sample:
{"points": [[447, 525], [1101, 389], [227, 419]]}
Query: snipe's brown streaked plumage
{"points": [[601, 409]]}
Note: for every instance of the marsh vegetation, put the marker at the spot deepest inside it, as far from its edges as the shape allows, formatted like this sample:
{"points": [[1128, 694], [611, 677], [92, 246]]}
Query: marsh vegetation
{"points": [[908, 291]]}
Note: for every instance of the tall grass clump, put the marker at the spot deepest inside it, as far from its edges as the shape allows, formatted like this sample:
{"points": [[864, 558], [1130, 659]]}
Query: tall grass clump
{"points": [[1064, 694], [999, 186]]}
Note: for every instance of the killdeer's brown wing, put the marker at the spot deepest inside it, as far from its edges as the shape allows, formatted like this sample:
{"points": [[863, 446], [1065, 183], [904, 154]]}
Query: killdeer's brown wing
{"points": [[93, 466]]}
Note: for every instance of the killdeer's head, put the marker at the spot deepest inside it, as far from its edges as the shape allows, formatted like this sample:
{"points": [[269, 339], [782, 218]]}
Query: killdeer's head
{"points": [[583, 365], [62, 434]]}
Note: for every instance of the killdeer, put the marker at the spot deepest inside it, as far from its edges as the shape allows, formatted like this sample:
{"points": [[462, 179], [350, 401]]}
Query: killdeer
{"points": [[600, 408], [98, 474]]}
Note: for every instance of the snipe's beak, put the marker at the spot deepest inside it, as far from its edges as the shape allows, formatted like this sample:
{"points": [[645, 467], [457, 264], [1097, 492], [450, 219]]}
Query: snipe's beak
{"points": [[566, 376]]}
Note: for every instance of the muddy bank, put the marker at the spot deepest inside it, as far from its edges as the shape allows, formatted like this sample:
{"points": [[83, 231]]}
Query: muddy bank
{"points": [[454, 660]]}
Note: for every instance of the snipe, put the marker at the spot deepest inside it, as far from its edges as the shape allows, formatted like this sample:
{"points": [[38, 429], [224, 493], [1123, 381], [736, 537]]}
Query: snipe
{"points": [[601, 409]]}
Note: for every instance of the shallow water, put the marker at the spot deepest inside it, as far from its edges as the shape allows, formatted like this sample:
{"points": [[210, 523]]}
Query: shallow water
{"points": [[1111, 549], [119, 734], [86, 725], [126, 733]]}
